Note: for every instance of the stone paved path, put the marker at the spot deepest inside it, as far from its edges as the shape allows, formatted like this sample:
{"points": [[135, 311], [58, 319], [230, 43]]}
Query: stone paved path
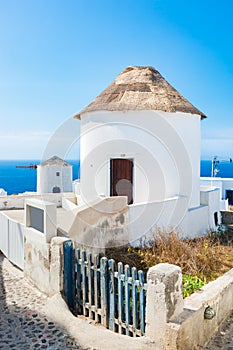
{"points": [[23, 321]]}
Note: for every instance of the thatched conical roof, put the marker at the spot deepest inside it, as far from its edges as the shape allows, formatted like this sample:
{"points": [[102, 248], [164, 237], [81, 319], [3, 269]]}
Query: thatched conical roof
{"points": [[55, 160], [140, 88]]}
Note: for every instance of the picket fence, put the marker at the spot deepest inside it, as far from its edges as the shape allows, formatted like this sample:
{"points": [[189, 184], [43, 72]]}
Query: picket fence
{"points": [[109, 293]]}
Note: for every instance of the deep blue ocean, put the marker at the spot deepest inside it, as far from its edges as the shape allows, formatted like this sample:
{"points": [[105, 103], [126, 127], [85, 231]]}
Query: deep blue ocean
{"points": [[224, 167], [15, 180]]}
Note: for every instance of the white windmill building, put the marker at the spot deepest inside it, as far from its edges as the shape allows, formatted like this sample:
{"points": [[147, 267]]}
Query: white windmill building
{"points": [[141, 138], [54, 176]]}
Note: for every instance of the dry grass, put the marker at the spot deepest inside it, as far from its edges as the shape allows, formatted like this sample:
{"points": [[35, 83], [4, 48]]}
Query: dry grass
{"points": [[207, 257]]}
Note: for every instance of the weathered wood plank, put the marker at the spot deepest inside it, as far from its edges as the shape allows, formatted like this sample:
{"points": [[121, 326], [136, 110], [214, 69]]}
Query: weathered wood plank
{"points": [[120, 297], [142, 301], [84, 281], [104, 290], [112, 294], [79, 280], [134, 300], [68, 273], [96, 285], [89, 283], [127, 298]]}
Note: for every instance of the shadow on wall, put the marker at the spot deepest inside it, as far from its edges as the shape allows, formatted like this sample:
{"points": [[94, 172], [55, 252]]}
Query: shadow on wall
{"points": [[21, 325]]}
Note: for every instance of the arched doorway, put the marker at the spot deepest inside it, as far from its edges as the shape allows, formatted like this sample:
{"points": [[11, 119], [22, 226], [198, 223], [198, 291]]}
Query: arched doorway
{"points": [[56, 189]]}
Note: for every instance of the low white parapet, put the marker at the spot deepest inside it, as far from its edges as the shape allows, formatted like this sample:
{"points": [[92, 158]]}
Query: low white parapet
{"points": [[41, 216], [203, 313], [176, 324], [17, 201], [69, 203]]}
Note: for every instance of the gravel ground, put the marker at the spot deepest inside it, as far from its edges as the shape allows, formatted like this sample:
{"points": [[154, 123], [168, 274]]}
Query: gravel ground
{"points": [[23, 321]]}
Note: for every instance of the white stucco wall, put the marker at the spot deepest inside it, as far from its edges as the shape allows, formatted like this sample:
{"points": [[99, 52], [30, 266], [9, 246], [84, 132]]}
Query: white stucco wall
{"points": [[201, 219], [146, 218], [222, 183], [47, 178], [196, 222], [172, 214], [210, 197], [165, 148], [188, 127]]}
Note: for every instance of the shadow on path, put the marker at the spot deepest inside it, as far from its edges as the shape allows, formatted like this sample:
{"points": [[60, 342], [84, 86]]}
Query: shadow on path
{"points": [[23, 323]]}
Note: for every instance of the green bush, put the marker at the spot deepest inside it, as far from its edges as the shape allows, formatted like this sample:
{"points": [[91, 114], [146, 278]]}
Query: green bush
{"points": [[191, 284]]}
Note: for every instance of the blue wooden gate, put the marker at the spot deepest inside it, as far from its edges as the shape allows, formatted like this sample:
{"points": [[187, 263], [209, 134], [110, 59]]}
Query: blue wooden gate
{"points": [[109, 293]]}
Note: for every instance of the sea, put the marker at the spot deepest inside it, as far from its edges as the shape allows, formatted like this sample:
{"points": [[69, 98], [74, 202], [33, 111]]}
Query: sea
{"points": [[19, 180]]}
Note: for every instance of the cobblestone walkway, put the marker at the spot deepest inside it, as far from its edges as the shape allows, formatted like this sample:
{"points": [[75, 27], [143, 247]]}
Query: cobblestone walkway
{"points": [[23, 321]]}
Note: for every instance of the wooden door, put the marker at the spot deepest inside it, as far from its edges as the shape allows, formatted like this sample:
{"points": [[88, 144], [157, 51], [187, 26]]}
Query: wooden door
{"points": [[121, 178]]}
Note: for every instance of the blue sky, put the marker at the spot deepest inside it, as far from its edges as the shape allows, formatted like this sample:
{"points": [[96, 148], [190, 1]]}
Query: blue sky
{"points": [[56, 56]]}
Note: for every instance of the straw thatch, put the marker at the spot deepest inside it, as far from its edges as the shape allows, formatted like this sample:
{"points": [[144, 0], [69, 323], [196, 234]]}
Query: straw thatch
{"points": [[55, 160], [140, 88]]}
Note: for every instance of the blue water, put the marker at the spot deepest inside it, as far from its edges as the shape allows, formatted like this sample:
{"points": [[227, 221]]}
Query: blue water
{"points": [[225, 168], [14, 180]]}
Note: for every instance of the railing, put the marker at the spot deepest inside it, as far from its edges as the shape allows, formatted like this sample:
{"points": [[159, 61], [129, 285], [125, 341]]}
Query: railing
{"points": [[109, 293], [12, 240]]}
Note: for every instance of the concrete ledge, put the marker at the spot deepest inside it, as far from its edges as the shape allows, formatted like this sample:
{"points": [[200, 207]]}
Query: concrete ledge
{"points": [[92, 336], [191, 330], [69, 203]]}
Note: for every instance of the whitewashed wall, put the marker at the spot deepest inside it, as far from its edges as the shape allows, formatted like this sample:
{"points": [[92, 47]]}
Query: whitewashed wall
{"points": [[196, 222], [165, 148], [146, 218], [173, 214], [222, 183], [188, 127], [210, 197]]}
